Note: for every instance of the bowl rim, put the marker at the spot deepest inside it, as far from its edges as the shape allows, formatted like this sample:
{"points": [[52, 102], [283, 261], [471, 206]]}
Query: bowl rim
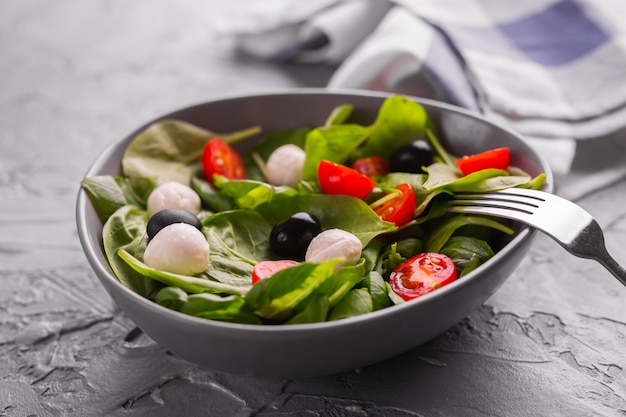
{"points": [[104, 272]]}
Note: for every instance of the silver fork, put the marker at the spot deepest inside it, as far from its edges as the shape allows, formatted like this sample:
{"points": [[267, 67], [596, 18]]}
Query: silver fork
{"points": [[566, 222]]}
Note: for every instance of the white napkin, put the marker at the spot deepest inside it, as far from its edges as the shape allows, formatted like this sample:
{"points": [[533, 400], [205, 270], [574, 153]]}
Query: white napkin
{"points": [[553, 70]]}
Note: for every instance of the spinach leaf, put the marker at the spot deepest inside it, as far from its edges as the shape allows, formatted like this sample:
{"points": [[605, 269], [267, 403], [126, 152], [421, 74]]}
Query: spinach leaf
{"points": [[375, 285], [108, 193], [186, 283], [334, 211], [334, 143], [402, 121], [358, 301], [171, 297], [467, 253], [210, 196], [339, 115], [277, 297], [215, 307], [249, 194], [440, 235], [126, 229], [170, 150], [238, 239], [316, 310], [441, 176]]}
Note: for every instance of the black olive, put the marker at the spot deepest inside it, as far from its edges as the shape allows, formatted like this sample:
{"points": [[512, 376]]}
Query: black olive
{"points": [[411, 158], [290, 238], [163, 218]]}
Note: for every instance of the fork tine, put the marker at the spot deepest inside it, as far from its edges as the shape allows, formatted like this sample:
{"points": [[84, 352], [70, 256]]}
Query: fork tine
{"points": [[510, 205]]}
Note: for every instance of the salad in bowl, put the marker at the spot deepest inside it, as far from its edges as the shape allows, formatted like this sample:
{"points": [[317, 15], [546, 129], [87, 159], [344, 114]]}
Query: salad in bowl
{"points": [[302, 233]]}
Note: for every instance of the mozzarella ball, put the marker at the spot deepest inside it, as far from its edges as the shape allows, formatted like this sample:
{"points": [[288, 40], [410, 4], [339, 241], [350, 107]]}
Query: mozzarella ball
{"points": [[334, 243], [285, 164], [179, 248], [173, 195]]}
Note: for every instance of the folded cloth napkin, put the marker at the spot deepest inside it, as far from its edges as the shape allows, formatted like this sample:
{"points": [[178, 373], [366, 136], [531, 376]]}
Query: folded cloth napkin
{"points": [[553, 70]]}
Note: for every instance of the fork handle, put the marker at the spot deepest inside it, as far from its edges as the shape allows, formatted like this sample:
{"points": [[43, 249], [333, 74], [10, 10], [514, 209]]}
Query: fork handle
{"points": [[612, 266]]}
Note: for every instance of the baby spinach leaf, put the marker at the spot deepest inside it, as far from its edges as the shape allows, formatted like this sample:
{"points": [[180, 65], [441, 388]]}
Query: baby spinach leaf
{"points": [[358, 301], [467, 253], [277, 297], [344, 280], [395, 298], [334, 211], [316, 310], [210, 196], [248, 194], [440, 235], [171, 297], [334, 143], [339, 115], [238, 239], [108, 193], [375, 285], [170, 150], [126, 229], [184, 282], [215, 307]]}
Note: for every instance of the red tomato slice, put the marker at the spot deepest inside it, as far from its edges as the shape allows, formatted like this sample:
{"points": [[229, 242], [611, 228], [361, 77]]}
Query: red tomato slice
{"points": [[339, 179], [498, 158], [422, 274], [219, 158], [372, 166], [266, 269], [399, 209]]}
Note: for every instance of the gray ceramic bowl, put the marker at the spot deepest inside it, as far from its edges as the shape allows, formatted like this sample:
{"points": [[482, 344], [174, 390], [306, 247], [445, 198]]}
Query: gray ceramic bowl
{"points": [[295, 351]]}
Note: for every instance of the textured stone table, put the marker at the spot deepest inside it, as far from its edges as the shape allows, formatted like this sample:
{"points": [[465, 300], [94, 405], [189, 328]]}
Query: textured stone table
{"points": [[76, 76]]}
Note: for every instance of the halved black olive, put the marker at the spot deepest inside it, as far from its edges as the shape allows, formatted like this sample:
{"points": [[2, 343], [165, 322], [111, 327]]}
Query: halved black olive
{"points": [[164, 218], [411, 158], [290, 238]]}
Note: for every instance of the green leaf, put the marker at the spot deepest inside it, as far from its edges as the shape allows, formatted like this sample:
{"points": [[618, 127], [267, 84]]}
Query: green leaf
{"points": [[108, 193], [334, 143], [171, 297], [277, 297], [333, 211], [339, 115], [170, 150], [186, 283], [375, 285], [440, 235], [126, 229], [238, 239], [209, 195], [358, 301], [215, 307], [467, 253], [315, 311]]}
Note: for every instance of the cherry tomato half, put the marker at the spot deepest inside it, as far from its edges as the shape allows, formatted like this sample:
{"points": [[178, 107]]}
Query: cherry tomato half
{"points": [[422, 274], [266, 269], [399, 209], [498, 158], [372, 166], [219, 158], [340, 179]]}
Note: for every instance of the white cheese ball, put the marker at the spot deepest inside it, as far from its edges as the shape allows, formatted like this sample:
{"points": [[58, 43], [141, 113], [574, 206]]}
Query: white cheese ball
{"points": [[285, 164], [179, 248], [334, 243], [173, 195]]}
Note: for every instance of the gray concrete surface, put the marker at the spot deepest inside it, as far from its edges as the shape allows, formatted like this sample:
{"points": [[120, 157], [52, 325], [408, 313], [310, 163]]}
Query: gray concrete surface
{"points": [[76, 76]]}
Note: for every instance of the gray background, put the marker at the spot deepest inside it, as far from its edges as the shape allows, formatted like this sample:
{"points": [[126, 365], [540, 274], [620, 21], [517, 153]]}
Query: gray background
{"points": [[76, 76]]}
